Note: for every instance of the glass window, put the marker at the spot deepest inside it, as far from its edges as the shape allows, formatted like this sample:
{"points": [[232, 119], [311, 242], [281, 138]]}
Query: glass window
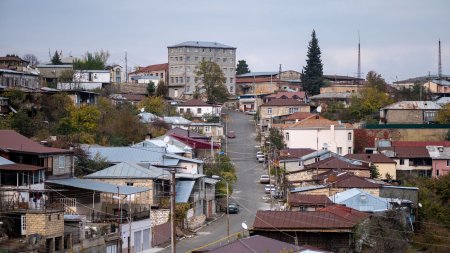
{"points": [[349, 150], [402, 162], [62, 162], [269, 110], [231, 88], [196, 58], [448, 163], [188, 58], [188, 79], [349, 136], [339, 150], [287, 136], [231, 79], [181, 110], [199, 110]]}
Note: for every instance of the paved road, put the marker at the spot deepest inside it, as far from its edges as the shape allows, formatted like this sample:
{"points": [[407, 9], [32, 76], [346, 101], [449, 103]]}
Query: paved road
{"points": [[248, 193]]}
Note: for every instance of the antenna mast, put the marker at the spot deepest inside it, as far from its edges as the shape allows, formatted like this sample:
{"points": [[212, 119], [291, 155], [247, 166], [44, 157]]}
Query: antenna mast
{"points": [[359, 58], [440, 63]]}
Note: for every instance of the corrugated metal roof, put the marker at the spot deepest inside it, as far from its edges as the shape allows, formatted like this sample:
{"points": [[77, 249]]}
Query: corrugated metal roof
{"points": [[443, 101], [126, 154], [147, 117], [211, 181], [159, 145], [176, 120], [361, 201], [442, 82], [413, 105], [129, 170], [439, 152], [331, 95], [202, 44], [183, 191], [98, 186]]}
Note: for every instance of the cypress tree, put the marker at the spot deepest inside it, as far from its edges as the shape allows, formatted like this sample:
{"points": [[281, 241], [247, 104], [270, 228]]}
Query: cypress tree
{"points": [[312, 77]]}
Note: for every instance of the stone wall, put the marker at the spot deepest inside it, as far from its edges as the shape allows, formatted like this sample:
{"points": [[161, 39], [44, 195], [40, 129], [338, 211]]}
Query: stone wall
{"points": [[145, 198], [45, 224], [159, 217]]}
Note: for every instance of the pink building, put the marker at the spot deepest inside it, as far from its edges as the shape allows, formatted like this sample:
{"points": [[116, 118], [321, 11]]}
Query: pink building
{"points": [[440, 156]]}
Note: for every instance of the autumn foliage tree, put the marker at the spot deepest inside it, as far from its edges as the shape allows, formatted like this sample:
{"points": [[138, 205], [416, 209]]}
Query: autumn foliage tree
{"points": [[211, 78]]}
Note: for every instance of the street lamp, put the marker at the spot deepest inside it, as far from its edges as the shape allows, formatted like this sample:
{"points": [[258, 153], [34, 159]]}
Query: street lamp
{"points": [[228, 211]]}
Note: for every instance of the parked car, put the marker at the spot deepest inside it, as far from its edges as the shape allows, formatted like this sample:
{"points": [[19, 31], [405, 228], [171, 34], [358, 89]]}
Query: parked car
{"points": [[233, 208], [260, 157], [269, 188], [264, 179], [252, 112], [231, 135]]}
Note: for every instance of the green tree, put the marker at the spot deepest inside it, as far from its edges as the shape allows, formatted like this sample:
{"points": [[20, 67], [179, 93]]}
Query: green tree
{"points": [[212, 80], [151, 88], [376, 81], [155, 105], [56, 60], [162, 89], [276, 138], [443, 116], [15, 96], [374, 172], [312, 77], [92, 61], [242, 67]]}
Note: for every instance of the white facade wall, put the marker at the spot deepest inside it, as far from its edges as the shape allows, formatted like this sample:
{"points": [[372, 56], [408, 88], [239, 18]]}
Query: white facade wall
{"points": [[141, 235], [199, 111], [319, 138], [92, 76]]}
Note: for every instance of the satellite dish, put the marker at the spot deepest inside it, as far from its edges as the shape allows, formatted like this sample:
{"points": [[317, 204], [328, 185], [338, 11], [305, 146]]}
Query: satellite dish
{"points": [[420, 204], [166, 139], [319, 109], [244, 225], [142, 109]]}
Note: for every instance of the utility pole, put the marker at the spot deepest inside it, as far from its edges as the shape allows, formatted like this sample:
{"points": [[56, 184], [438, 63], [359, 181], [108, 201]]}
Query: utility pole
{"points": [[228, 213], [126, 66], [172, 210], [440, 63]]}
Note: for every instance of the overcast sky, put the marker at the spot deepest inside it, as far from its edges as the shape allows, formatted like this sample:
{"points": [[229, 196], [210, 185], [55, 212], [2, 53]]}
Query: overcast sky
{"points": [[399, 39]]}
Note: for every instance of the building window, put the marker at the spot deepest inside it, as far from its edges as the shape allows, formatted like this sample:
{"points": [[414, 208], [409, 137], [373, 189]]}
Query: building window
{"points": [[181, 58], [181, 110], [187, 49], [349, 150], [176, 58], [162, 75], [269, 111], [199, 110], [130, 183], [188, 110], [188, 58], [188, 79], [207, 129], [61, 162], [49, 217], [293, 109], [171, 80], [196, 58], [231, 79], [349, 136], [402, 162], [181, 79], [448, 163], [203, 50], [176, 79], [287, 136], [231, 88], [224, 59], [437, 172], [339, 150]]}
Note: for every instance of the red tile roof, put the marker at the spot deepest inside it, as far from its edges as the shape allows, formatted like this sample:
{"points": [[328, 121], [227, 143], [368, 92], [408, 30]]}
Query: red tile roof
{"points": [[294, 152], [10, 140], [420, 143], [350, 180], [195, 143], [294, 220], [187, 133], [373, 158], [284, 102], [194, 102], [286, 94], [151, 68], [336, 163], [319, 121], [297, 199]]}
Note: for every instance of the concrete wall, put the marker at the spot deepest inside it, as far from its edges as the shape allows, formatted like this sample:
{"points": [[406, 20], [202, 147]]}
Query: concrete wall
{"points": [[384, 168], [66, 169], [404, 116], [140, 231]]}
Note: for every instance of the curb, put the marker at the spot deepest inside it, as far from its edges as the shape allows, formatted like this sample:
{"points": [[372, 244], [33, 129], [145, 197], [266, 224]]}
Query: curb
{"points": [[208, 223]]}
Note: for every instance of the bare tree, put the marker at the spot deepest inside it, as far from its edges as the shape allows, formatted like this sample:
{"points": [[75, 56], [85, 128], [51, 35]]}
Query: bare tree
{"points": [[31, 58]]}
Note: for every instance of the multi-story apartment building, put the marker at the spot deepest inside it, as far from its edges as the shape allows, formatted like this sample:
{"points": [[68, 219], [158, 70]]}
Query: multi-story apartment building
{"points": [[185, 57]]}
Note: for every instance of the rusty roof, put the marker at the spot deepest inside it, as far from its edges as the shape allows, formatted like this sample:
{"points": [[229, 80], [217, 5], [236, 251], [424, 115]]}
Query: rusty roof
{"points": [[256, 243], [20, 167], [294, 220], [287, 153], [373, 158], [151, 68], [337, 163], [284, 102], [286, 94], [420, 143], [411, 152], [350, 180], [318, 121], [299, 116], [347, 213], [297, 199], [10, 140]]}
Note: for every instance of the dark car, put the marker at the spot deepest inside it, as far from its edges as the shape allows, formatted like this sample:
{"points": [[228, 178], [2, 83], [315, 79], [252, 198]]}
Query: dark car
{"points": [[231, 134], [233, 208]]}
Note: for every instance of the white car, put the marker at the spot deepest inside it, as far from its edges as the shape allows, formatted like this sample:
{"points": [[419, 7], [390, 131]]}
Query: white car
{"points": [[260, 156], [269, 188], [264, 179]]}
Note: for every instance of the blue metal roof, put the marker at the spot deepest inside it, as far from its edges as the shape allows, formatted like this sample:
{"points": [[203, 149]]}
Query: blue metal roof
{"points": [[183, 191], [4, 161], [202, 44], [130, 170], [98, 186], [361, 201]]}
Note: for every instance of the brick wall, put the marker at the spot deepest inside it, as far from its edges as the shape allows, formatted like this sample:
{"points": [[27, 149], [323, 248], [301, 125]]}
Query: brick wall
{"points": [[39, 223]]}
